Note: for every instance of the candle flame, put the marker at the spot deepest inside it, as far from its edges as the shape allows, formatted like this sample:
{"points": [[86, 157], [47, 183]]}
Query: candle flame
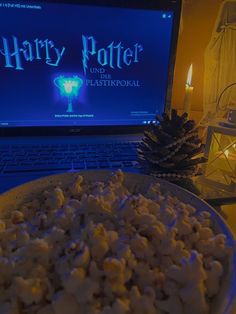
{"points": [[227, 153], [190, 74]]}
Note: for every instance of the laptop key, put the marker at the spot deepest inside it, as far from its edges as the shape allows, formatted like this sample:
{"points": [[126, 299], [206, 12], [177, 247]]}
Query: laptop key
{"points": [[79, 165], [25, 163], [91, 165], [37, 162], [13, 164], [127, 164], [116, 165], [104, 165], [19, 160]]}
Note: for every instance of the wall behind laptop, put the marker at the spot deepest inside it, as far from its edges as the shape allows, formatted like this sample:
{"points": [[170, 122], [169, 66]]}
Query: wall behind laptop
{"points": [[198, 21]]}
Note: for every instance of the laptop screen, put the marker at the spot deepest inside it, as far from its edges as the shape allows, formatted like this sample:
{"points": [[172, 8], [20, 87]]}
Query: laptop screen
{"points": [[72, 64]]}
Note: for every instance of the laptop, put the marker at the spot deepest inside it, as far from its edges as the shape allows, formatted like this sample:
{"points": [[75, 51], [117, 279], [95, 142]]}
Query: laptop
{"points": [[80, 81]]}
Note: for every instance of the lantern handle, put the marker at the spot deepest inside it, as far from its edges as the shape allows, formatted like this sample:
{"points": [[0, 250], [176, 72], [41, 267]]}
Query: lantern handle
{"points": [[222, 93]]}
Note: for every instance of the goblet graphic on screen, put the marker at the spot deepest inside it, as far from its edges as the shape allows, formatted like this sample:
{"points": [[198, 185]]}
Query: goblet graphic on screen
{"points": [[69, 87]]}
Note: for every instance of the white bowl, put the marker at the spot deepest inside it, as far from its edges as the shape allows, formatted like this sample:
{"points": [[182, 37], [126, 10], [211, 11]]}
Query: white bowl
{"points": [[225, 303]]}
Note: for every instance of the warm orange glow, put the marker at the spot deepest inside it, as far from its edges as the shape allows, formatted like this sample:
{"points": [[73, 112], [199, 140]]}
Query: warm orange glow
{"points": [[190, 75], [227, 153]]}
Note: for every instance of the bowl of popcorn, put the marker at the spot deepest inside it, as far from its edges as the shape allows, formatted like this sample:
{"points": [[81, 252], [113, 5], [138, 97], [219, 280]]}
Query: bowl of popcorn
{"points": [[98, 242]]}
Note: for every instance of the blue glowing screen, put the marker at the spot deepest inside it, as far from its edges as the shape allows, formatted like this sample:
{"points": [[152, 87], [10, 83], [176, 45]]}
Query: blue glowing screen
{"points": [[67, 64]]}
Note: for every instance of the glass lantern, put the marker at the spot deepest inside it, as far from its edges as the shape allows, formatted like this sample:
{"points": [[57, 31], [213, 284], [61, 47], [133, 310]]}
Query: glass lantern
{"points": [[221, 154]]}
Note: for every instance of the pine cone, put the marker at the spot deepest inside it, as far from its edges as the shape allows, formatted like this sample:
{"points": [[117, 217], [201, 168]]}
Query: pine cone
{"points": [[171, 148]]}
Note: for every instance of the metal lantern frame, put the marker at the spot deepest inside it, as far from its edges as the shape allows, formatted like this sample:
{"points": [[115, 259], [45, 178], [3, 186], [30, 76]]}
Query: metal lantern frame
{"points": [[221, 154]]}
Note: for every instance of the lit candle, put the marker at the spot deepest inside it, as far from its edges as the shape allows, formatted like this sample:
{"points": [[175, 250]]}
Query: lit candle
{"points": [[188, 91]]}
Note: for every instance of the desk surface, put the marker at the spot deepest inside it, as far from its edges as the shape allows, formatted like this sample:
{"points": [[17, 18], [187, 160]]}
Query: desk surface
{"points": [[215, 194]]}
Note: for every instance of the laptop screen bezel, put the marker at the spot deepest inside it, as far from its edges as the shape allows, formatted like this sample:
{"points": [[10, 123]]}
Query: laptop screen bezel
{"points": [[165, 5]]}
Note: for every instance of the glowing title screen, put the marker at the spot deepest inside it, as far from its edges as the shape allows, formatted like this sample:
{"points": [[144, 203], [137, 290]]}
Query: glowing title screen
{"points": [[67, 64]]}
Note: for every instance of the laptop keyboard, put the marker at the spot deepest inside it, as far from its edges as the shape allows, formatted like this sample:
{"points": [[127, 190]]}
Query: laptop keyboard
{"points": [[65, 157]]}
